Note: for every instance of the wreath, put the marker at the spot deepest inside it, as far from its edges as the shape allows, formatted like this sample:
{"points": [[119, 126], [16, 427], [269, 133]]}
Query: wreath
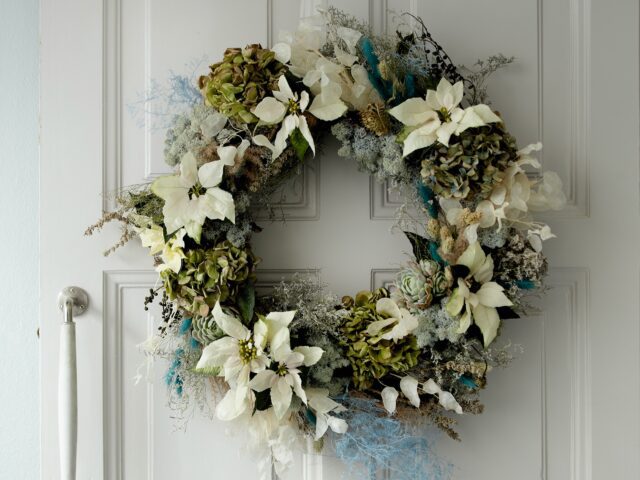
{"points": [[299, 361]]}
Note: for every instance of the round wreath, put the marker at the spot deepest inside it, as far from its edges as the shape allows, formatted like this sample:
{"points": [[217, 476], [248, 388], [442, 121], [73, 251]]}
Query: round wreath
{"points": [[299, 361]]}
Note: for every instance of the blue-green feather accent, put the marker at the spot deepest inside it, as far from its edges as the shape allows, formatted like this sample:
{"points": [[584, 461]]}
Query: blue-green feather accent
{"points": [[525, 284], [184, 326], [467, 382], [426, 194]]}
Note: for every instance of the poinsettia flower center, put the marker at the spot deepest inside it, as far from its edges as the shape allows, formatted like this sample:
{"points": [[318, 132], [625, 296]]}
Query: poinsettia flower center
{"points": [[247, 350], [444, 114], [197, 190], [293, 106], [282, 370]]}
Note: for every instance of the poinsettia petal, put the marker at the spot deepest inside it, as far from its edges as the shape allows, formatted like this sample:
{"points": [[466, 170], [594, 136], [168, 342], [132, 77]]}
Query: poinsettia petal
{"points": [[465, 321], [228, 324], [322, 425], [409, 387], [169, 188], [281, 394], [455, 303], [284, 88], [492, 295], [388, 308], [188, 170], [311, 354], [485, 271], [270, 110], [319, 400], [218, 204], [210, 174], [477, 116], [215, 354], [374, 328], [488, 321], [389, 398], [175, 212], [421, 137], [413, 112], [263, 380], [306, 133], [297, 387]]}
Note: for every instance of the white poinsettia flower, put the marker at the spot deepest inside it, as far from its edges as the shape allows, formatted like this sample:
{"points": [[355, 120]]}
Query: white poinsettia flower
{"points": [[238, 354], [285, 379], [152, 237], [193, 196], [173, 253], [438, 116], [230, 154], [321, 405], [480, 306], [402, 320], [446, 399], [287, 109]]}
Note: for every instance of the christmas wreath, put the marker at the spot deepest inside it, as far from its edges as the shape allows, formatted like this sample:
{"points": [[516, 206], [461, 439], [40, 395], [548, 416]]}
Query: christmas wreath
{"points": [[300, 362]]}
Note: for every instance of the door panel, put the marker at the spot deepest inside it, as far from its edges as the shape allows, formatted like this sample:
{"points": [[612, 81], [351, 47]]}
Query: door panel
{"points": [[550, 416]]}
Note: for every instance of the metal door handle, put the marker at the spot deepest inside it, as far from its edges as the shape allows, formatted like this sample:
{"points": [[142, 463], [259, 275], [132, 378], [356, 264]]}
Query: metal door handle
{"points": [[73, 301]]}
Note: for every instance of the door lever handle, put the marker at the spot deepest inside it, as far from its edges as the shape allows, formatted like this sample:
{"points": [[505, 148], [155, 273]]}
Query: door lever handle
{"points": [[73, 301]]}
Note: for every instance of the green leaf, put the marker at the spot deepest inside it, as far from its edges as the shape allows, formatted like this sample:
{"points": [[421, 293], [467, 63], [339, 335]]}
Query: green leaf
{"points": [[247, 301], [299, 143]]}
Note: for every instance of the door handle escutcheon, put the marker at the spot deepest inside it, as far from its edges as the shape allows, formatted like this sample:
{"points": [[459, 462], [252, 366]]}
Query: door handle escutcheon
{"points": [[73, 301]]}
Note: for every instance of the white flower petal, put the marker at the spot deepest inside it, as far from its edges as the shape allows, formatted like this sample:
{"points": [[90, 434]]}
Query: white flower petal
{"points": [[488, 321], [306, 133], [228, 324], [409, 387], [492, 295], [153, 238], [421, 137], [218, 204], [413, 112], [216, 353], [270, 111], [311, 354], [188, 170], [388, 308], [170, 188], [389, 398], [322, 425], [210, 174], [448, 401], [477, 116], [263, 380], [281, 394], [284, 88], [327, 105], [431, 387], [282, 51], [337, 425], [374, 328], [227, 156]]}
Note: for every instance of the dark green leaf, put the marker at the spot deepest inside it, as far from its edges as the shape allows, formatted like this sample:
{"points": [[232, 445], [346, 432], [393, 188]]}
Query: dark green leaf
{"points": [[247, 301], [299, 143]]}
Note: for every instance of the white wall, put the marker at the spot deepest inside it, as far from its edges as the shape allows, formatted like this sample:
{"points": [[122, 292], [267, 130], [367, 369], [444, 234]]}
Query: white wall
{"points": [[19, 179]]}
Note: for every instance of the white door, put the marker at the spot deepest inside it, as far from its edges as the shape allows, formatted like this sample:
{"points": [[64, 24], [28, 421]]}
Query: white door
{"points": [[567, 409]]}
